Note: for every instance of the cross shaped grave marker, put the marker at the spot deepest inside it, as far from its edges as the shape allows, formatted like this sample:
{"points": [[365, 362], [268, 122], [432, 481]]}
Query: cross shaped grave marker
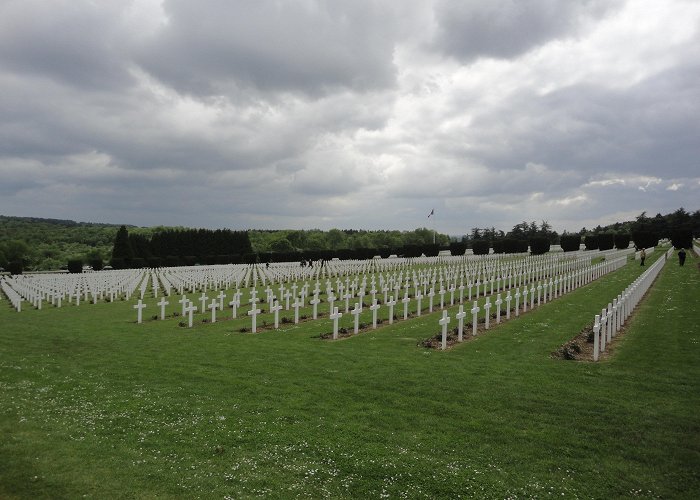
{"points": [[189, 309], [525, 292], [314, 302], [276, 308], [374, 308], [603, 322], [391, 303], [221, 298], [596, 337], [331, 300], [475, 311], [498, 308], [517, 302], [532, 296], [452, 294], [213, 306], [235, 303], [461, 293], [487, 311], [183, 302], [460, 322], [539, 293], [162, 303], [508, 299], [469, 288], [297, 304], [253, 313], [419, 299], [356, 313], [203, 302], [444, 321], [287, 296], [431, 295], [611, 322], [406, 300], [139, 307], [442, 297], [335, 316]]}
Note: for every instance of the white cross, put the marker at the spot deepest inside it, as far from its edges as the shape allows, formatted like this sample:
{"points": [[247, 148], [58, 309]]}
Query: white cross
{"points": [[374, 308], [183, 301], [603, 321], [444, 321], [139, 308], [213, 306], [162, 303], [203, 302], [276, 308], [253, 314], [314, 302], [419, 298], [391, 303], [460, 325], [475, 311], [517, 302], [487, 311], [406, 300], [596, 337], [297, 304], [221, 297], [532, 297], [498, 308], [335, 316], [442, 298], [189, 309], [356, 313], [525, 292], [508, 299], [431, 294], [539, 293]]}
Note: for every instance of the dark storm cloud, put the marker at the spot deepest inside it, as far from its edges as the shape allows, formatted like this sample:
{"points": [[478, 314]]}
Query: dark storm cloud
{"points": [[507, 28]]}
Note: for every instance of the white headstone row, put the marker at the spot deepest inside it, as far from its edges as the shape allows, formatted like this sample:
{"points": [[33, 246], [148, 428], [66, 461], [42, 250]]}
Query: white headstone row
{"points": [[613, 317]]}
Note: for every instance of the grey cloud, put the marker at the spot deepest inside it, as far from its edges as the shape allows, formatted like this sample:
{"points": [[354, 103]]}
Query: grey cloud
{"points": [[504, 29], [76, 42], [216, 47]]}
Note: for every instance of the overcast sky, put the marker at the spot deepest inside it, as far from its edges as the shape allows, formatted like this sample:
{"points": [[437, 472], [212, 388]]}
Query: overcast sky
{"points": [[349, 114]]}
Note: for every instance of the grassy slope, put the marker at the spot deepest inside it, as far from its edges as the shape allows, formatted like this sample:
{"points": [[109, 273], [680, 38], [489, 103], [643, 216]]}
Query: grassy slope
{"points": [[92, 404]]}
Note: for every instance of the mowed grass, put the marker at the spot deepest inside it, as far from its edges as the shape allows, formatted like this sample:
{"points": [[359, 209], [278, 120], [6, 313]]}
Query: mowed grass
{"points": [[93, 405]]}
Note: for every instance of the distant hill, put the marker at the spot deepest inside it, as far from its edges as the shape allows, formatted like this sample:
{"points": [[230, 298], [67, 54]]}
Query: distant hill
{"points": [[48, 244]]}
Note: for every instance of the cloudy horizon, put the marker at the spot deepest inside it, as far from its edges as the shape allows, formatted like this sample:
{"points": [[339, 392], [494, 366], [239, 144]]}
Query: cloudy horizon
{"points": [[352, 115]]}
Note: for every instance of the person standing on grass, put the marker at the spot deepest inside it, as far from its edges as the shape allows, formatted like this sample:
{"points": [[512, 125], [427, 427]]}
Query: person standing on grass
{"points": [[642, 256], [681, 256]]}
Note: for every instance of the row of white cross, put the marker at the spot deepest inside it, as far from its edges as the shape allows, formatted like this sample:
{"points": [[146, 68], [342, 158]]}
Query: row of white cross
{"points": [[461, 314], [612, 318]]}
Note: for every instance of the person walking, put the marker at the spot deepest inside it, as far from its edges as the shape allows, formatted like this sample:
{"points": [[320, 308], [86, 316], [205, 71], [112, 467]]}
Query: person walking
{"points": [[642, 256], [681, 256]]}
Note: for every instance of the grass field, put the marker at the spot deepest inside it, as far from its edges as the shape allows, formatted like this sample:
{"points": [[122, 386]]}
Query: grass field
{"points": [[93, 405]]}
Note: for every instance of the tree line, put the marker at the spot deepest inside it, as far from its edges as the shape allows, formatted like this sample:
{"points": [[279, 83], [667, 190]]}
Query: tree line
{"points": [[49, 244]]}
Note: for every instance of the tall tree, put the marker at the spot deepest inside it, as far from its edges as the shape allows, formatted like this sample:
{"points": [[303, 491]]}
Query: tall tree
{"points": [[122, 247]]}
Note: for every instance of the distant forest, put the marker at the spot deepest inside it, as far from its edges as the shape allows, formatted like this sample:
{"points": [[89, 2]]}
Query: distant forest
{"points": [[50, 244]]}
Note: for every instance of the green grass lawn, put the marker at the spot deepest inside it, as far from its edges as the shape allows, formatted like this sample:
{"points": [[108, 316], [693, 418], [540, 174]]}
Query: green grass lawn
{"points": [[93, 405]]}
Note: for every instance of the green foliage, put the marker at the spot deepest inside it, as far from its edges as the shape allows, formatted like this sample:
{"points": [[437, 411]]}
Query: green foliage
{"points": [[481, 247], [606, 241], [591, 242], [50, 243], [122, 246], [570, 242], [15, 267], [75, 266], [682, 238], [622, 240], [539, 245], [645, 239]]}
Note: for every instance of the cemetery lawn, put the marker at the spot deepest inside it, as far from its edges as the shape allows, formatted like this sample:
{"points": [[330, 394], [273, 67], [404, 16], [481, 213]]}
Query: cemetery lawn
{"points": [[93, 405]]}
